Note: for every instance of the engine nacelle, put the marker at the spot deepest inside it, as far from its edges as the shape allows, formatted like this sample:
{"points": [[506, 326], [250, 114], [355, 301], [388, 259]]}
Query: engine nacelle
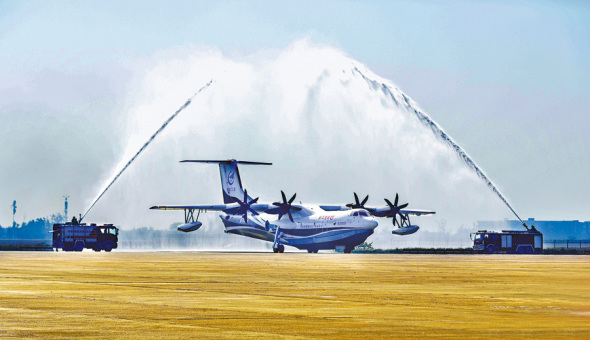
{"points": [[189, 226], [406, 230]]}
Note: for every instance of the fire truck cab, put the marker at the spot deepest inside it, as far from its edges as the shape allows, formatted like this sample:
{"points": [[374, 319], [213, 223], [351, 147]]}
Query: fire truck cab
{"points": [[76, 237], [508, 241]]}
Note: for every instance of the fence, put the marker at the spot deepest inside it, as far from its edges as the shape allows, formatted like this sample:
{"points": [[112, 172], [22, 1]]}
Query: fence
{"points": [[567, 244]]}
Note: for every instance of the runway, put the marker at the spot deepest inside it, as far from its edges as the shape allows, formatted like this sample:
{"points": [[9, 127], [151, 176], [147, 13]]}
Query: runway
{"points": [[292, 295]]}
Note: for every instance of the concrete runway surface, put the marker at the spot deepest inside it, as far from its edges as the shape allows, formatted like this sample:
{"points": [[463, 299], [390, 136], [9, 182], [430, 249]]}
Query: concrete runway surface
{"points": [[292, 295]]}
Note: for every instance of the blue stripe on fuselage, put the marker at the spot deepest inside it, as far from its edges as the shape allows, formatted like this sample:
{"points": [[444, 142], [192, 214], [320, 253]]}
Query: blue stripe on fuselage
{"points": [[313, 238]]}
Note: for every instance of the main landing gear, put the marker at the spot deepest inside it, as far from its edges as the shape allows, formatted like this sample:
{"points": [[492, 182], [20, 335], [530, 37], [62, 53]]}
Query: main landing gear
{"points": [[277, 247]]}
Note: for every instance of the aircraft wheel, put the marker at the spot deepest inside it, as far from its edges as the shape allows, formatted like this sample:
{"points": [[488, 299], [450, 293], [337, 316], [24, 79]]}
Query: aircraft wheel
{"points": [[281, 248], [315, 251], [348, 250], [275, 250], [310, 251]]}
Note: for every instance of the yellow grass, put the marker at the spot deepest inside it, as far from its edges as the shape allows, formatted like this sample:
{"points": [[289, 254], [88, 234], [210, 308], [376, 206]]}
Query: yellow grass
{"points": [[249, 295]]}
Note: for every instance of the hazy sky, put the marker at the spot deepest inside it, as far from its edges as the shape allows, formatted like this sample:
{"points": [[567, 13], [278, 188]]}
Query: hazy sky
{"points": [[510, 81]]}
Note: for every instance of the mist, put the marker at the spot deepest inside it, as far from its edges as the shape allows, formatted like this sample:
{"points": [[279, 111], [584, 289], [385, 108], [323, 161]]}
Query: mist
{"points": [[309, 110]]}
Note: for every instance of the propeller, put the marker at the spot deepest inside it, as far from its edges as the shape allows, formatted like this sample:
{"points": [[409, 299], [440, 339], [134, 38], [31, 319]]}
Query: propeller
{"points": [[394, 210], [284, 208], [245, 206], [358, 204]]}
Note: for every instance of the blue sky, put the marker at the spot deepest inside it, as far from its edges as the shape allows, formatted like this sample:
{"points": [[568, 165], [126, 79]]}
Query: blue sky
{"points": [[510, 81]]}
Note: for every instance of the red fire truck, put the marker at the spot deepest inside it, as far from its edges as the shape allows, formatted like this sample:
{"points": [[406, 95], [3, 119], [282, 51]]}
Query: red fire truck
{"points": [[76, 237], [528, 241]]}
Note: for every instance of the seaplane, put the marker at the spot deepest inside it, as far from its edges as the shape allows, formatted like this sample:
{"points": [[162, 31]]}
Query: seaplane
{"points": [[285, 223]]}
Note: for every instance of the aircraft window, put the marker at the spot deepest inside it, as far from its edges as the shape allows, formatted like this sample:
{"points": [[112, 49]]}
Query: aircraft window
{"points": [[362, 213], [356, 213]]}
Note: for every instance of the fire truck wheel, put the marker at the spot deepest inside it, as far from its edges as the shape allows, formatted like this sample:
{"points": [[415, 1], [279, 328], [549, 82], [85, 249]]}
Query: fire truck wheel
{"points": [[490, 249], [108, 246], [79, 246]]}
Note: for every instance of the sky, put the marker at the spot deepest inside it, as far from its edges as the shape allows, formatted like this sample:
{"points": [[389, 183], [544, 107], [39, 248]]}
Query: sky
{"points": [[509, 81]]}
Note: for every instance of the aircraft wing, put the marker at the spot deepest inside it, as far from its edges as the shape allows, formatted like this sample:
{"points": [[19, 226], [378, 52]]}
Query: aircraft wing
{"points": [[228, 208], [379, 211], [386, 210], [416, 212], [214, 207]]}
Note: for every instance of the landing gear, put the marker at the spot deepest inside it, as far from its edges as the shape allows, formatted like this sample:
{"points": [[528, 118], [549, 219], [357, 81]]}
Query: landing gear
{"points": [[312, 251], [277, 247], [348, 250]]}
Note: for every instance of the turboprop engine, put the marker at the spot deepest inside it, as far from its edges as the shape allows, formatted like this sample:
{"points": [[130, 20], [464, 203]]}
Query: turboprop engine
{"points": [[192, 226]]}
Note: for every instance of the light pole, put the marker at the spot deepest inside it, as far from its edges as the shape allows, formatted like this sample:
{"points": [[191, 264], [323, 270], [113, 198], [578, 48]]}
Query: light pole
{"points": [[13, 212], [66, 209]]}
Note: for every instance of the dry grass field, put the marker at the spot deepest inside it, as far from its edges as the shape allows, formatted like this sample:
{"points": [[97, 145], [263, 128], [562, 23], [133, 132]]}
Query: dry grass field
{"points": [[292, 295]]}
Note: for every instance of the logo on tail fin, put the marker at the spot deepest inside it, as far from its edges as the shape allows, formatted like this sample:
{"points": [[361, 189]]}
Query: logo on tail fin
{"points": [[231, 178]]}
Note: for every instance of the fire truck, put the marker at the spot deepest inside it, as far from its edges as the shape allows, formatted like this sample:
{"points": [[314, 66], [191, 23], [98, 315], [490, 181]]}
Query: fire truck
{"points": [[77, 236], [528, 241]]}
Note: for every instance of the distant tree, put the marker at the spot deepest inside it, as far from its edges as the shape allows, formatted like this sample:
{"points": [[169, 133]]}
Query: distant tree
{"points": [[365, 246]]}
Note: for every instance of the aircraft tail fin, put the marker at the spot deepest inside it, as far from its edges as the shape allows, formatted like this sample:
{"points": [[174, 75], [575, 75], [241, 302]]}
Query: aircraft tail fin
{"points": [[231, 183]]}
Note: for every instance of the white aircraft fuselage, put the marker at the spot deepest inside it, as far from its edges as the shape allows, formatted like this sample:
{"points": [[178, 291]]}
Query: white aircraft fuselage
{"points": [[309, 227], [321, 230]]}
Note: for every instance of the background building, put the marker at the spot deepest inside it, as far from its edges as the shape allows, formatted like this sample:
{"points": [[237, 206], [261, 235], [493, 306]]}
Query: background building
{"points": [[572, 230]]}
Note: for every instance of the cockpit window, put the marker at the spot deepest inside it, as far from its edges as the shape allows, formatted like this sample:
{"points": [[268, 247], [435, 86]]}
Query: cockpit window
{"points": [[356, 213], [363, 213]]}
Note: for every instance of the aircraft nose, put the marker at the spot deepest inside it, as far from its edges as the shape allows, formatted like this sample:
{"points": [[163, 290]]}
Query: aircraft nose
{"points": [[371, 223]]}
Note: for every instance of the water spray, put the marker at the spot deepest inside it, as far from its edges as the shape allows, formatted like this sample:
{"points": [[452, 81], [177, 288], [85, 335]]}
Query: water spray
{"points": [[186, 104], [438, 131]]}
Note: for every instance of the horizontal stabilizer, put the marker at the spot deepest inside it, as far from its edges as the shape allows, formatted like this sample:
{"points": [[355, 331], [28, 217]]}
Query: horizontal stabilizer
{"points": [[226, 161]]}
